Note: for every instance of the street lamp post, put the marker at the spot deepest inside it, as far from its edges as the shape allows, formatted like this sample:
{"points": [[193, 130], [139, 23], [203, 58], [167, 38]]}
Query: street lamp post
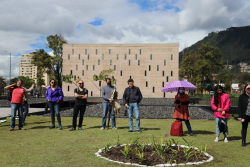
{"points": [[10, 63]]}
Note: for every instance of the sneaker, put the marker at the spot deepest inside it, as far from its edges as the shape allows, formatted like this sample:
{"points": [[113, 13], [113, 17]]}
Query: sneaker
{"points": [[192, 134], [22, 129], [52, 127], [114, 128], [138, 131], [216, 139], [60, 127], [72, 129], [130, 131], [225, 140], [11, 129], [102, 128], [24, 124], [80, 128]]}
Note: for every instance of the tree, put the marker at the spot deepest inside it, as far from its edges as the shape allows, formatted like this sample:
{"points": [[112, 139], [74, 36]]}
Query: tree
{"points": [[55, 43], [68, 79], [2, 84], [244, 77], [104, 74], [27, 81], [199, 67], [14, 80]]}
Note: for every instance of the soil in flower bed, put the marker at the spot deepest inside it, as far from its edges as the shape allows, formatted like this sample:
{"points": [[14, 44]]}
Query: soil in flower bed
{"points": [[151, 157]]}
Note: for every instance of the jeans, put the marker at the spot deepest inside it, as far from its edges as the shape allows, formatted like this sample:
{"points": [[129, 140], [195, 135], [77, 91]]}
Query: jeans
{"points": [[78, 108], [14, 108], [55, 109], [26, 110], [244, 127], [187, 125], [134, 107], [105, 112], [217, 127]]}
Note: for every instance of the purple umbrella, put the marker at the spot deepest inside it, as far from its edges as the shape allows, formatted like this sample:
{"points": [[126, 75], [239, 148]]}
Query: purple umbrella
{"points": [[173, 86]]}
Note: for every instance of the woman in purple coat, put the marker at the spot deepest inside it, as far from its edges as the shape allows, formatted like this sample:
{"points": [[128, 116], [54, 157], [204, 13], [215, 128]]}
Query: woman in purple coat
{"points": [[54, 96]]}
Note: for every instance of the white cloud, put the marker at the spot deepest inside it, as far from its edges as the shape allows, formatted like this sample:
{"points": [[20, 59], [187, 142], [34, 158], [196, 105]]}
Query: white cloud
{"points": [[5, 66], [24, 22]]}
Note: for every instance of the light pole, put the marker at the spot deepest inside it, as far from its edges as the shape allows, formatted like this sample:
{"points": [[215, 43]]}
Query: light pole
{"points": [[10, 62]]}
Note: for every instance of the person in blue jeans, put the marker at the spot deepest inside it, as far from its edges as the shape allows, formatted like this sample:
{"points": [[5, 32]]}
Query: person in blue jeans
{"points": [[54, 96], [107, 100], [131, 98]]}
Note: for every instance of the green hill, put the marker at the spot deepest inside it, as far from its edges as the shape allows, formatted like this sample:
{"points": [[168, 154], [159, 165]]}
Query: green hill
{"points": [[234, 44]]}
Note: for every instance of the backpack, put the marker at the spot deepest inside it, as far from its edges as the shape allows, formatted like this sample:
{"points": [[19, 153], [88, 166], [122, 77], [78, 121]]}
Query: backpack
{"points": [[222, 125], [176, 128]]}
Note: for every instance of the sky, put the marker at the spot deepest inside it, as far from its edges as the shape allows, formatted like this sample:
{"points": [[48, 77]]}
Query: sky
{"points": [[25, 24]]}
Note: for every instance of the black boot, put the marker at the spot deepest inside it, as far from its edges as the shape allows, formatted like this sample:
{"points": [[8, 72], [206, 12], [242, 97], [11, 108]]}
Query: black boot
{"points": [[243, 142]]}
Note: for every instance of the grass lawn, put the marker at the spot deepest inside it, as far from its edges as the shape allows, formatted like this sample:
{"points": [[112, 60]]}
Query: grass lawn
{"points": [[40, 146]]}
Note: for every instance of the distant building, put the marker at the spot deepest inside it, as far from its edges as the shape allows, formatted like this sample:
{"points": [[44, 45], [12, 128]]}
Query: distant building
{"points": [[151, 66], [27, 69]]}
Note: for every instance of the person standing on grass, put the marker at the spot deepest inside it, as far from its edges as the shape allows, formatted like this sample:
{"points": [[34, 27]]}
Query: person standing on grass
{"points": [[81, 95], [244, 112], [181, 109], [25, 103], [107, 100], [54, 96], [220, 104], [131, 98], [18, 93]]}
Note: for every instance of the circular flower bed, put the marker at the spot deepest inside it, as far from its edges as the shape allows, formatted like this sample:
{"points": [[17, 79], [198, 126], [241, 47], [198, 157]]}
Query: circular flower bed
{"points": [[155, 154]]}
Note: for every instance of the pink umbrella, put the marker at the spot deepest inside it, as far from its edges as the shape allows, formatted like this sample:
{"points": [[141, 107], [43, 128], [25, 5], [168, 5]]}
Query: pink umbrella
{"points": [[173, 86]]}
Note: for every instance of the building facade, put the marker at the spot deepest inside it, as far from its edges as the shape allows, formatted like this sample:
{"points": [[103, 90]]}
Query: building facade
{"points": [[151, 66], [27, 69]]}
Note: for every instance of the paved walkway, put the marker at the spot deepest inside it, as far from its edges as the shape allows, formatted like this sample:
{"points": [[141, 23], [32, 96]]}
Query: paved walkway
{"points": [[6, 111]]}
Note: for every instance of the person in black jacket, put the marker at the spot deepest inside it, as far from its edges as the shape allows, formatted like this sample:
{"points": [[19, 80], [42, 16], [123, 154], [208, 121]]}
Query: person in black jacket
{"points": [[244, 112], [131, 98]]}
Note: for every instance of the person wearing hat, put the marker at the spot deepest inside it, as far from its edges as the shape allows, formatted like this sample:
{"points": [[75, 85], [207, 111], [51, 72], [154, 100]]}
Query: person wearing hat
{"points": [[244, 112]]}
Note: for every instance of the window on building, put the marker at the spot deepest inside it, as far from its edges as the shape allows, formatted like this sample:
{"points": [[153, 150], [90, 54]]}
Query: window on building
{"points": [[117, 57], [76, 67], [71, 72], [79, 56], [72, 51], [88, 56], [171, 73], [110, 62], [102, 56], [68, 88], [98, 61], [162, 84], [68, 56], [171, 56], [164, 95], [129, 62], [109, 51], [135, 56], [93, 67], [125, 57], [163, 73], [149, 68], [153, 89], [145, 73], [150, 56], [83, 62], [157, 67], [140, 51], [87, 67], [121, 73], [146, 83], [165, 62], [74, 77], [138, 62], [96, 51], [114, 67], [130, 77], [82, 72], [100, 83], [91, 93], [167, 78], [129, 51], [85, 51]]}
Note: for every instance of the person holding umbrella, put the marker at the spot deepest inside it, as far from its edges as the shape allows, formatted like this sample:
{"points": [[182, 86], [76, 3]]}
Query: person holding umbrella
{"points": [[181, 108]]}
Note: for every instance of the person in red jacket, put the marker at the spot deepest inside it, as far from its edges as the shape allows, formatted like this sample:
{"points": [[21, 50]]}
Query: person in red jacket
{"points": [[181, 109], [220, 104], [18, 93]]}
